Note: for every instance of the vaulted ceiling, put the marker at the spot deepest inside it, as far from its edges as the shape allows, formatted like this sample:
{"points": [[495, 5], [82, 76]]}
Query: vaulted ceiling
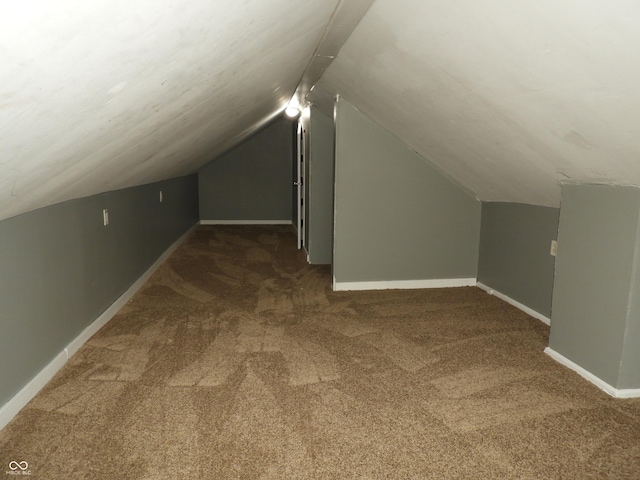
{"points": [[507, 98], [104, 94]]}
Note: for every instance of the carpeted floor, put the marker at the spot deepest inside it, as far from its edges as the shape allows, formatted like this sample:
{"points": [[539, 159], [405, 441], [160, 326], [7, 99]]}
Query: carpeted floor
{"points": [[236, 361]]}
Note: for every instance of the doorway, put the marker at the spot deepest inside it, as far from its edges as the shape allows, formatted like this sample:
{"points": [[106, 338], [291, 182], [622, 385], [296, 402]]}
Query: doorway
{"points": [[299, 183]]}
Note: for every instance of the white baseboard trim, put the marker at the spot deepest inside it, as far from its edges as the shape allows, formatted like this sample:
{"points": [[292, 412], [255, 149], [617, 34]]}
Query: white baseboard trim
{"points": [[404, 284], [246, 222], [24, 396], [601, 384], [515, 303], [115, 307]]}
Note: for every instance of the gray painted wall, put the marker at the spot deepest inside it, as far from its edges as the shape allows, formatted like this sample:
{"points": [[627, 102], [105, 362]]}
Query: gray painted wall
{"points": [[60, 268], [630, 363], [253, 181], [595, 312], [515, 244], [320, 181], [396, 217]]}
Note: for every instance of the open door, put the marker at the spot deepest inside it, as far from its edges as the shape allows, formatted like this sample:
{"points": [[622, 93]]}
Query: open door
{"points": [[299, 183]]}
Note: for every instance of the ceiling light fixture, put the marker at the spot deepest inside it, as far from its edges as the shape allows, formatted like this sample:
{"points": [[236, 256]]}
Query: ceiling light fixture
{"points": [[293, 109], [291, 112]]}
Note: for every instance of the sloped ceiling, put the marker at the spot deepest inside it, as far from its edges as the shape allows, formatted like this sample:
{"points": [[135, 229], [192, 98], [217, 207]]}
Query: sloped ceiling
{"points": [[508, 98], [104, 94]]}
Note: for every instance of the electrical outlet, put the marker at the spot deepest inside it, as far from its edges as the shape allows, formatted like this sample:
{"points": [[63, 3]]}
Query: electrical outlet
{"points": [[160, 196], [554, 248], [105, 217]]}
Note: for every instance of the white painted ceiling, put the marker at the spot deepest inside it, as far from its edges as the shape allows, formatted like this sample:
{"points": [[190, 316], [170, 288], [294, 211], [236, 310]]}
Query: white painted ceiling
{"points": [[507, 98], [104, 94]]}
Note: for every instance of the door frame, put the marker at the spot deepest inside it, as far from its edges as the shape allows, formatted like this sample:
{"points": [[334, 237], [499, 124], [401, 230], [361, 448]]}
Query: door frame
{"points": [[300, 183]]}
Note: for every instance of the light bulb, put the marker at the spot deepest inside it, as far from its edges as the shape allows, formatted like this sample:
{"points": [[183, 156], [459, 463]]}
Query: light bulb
{"points": [[291, 112]]}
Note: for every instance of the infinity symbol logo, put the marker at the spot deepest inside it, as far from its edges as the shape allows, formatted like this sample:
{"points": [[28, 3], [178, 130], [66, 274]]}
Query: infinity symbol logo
{"points": [[18, 465]]}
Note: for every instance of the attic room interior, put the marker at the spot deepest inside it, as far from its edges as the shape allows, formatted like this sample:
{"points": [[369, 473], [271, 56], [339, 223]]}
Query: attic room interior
{"points": [[321, 239]]}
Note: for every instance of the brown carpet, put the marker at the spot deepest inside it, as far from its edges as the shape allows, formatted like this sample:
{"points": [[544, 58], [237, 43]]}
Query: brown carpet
{"points": [[236, 361]]}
